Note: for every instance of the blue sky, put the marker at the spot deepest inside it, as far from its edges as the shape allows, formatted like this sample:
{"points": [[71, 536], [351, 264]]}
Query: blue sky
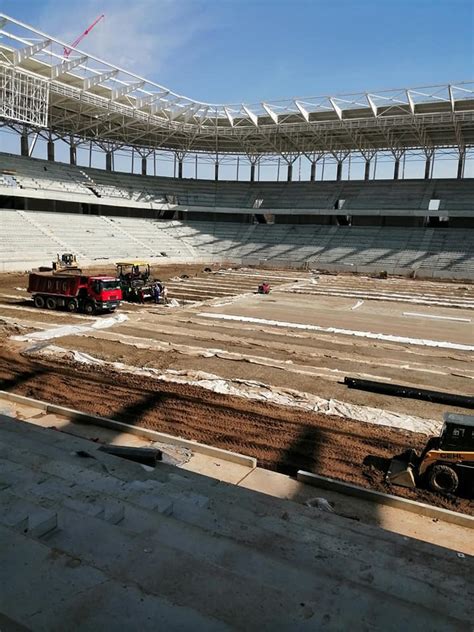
{"points": [[238, 50]]}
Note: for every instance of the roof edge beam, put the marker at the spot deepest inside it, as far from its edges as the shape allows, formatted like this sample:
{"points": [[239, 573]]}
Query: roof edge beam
{"points": [[411, 103], [336, 108], [140, 102], [65, 66], [90, 82], [303, 111], [252, 116], [27, 52], [451, 97], [124, 90], [372, 104], [192, 111], [273, 115], [229, 116]]}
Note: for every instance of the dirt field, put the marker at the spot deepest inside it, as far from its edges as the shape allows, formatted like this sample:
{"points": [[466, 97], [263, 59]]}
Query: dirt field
{"points": [[198, 337]]}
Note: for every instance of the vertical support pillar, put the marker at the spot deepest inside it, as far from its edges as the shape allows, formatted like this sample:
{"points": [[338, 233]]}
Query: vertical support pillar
{"points": [[24, 143], [427, 168], [108, 161], [180, 169], [72, 155], [339, 171], [289, 176], [50, 150], [144, 165], [396, 169], [312, 175], [367, 170], [216, 172], [252, 172], [460, 173]]}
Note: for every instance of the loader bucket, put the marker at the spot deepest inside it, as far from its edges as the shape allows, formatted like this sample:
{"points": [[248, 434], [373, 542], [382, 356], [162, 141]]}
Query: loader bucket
{"points": [[402, 470], [400, 473]]}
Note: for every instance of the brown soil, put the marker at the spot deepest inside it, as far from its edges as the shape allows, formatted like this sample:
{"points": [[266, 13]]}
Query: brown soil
{"points": [[280, 438]]}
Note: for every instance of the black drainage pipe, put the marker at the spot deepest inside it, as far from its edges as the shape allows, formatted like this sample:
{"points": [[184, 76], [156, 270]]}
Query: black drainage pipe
{"points": [[398, 390]]}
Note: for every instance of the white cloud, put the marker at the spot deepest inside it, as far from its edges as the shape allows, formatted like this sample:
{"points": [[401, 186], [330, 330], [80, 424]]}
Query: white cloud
{"points": [[142, 36]]}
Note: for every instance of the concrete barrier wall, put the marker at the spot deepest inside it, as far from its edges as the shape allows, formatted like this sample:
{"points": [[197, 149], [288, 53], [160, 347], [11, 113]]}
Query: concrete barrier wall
{"points": [[388, 500], [119, 426]]}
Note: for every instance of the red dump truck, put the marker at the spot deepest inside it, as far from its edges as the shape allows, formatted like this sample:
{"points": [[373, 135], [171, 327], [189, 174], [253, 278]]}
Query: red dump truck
{"points": [[75, 292]]}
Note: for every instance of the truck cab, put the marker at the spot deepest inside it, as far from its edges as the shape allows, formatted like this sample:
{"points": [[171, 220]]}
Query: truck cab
{"points": [[103, 291]]}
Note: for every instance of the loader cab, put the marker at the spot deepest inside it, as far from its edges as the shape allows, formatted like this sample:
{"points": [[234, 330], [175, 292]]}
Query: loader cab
{"points": [[457, 433]]}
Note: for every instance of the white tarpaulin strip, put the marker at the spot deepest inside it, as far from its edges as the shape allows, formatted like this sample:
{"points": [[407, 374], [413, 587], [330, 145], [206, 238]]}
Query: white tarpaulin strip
{"points": [[72, 330], [357, 305], [344, 332], [461, 320], [251, 389]]}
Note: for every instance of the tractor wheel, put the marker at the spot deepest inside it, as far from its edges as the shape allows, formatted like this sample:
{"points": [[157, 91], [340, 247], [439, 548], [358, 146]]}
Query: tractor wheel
{"points": [[39, 301], [89, 308], [444, 479], [51, 303], [71, 305]]}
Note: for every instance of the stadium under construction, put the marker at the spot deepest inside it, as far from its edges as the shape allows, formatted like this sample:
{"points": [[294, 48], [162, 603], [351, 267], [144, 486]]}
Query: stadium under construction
{"points": [[220, 456]]}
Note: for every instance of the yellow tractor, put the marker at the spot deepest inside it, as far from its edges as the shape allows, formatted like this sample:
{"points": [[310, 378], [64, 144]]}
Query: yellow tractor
{"points": [[136, 280], [446, 464]]}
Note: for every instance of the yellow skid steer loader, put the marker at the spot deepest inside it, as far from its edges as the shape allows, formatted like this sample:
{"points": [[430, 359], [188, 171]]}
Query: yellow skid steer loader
{"points": [[447, 462]]}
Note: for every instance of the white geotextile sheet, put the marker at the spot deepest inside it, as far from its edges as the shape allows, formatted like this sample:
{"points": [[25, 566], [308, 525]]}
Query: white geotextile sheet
{"points": [[72, 330], [345, 332], [251, 389]]}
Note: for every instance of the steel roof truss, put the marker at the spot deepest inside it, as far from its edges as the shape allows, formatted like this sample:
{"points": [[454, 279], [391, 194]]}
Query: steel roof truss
{"points": [[29, 51], [96, 80], [64, 67]]}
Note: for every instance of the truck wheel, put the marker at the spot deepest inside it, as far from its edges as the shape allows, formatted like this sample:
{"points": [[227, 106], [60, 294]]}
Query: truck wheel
{"points": [[71, 305], [39, 301], [444, 479], [51, 303], [89, 308]]}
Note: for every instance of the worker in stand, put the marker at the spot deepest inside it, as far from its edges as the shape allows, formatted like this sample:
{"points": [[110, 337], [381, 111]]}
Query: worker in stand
{"points": [[165, 294], [264, 288]]}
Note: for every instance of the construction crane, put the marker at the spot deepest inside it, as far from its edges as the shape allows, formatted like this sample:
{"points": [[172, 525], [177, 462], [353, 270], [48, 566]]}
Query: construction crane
{"points": [[67, 51]]}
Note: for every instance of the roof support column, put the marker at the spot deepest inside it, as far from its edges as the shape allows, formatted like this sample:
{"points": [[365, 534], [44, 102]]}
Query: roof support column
{"points": [[289, 175], [50, 149], [367, 170], [144, 165], [24, 147], [339, 170], [461, 164], [108, 160], [72, 152], [396, 169], [427, 167], [216, 171], [312, 175]]}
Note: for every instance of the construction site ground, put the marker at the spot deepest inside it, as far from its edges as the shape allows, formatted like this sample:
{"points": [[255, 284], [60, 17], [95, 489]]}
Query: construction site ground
{"points": [[305, 336]]}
